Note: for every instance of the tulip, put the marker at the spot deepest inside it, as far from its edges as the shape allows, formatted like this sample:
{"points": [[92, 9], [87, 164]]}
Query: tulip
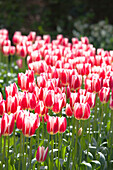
{"points": [[30, 124], [62, 124], [76, 82], [58, 103], [104, 94], [81, 111], [69, 111], [90, 99], [52, 125], [48, 98], [19, 63], [2, 107], [19, 118], [12, 50], [31, 99], [74, 98], [11, 104], [41, 154], [38, 93], [80, 131], [40, 109], [1, 97], [8, 123], [11, 90]]}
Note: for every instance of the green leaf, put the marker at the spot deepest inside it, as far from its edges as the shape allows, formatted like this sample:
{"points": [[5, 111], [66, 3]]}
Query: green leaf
{"points": [[101, 158], [63, 151], [95, 164], [108, 126], [56, 162], [86, 164], [89, 154]]}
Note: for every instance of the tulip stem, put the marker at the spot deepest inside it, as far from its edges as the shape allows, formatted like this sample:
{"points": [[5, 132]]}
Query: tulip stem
{"points": [[43, 129], [81, 140], [20, 150], [111, 133], [75, 148], [95, 116], [37, 140], [101, 121], [0, 144], [26, 151], [52, 145], [23, 59], [23, 167], [88, 139], [58, 150], [66, 93], [30, 153], [14, 144], [4, 151], [71, 143]]}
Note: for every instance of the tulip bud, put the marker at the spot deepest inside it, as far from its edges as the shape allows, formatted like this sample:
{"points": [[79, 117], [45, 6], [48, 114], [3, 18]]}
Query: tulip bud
{"points": [[80, 132], [41, 154]]}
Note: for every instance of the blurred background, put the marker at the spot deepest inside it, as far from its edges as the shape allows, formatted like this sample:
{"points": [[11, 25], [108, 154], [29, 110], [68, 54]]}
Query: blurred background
{"points": [[73, 18]]}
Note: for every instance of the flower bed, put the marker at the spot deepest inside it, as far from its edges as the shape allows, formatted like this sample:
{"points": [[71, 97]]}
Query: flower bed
{"points": [[58, 115]]}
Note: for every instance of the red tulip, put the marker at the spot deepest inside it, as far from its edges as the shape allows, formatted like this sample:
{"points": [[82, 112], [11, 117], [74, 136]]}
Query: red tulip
{"points": [[90, 99], [81, 111], [40, 109], [2, 107], [58, 101], [52, 125], [104, 94], [12, 50], [8, 123], [41, 154], [76, 82], [48, 98], [30, 124], [62, 124], [69, 111], [11, 90], [11, 104]]}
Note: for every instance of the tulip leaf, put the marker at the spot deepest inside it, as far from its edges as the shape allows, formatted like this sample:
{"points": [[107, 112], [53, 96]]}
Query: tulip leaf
{"points": [[57, 163], [63, 151], [86, 164], [89, 154], [101, 158], [108, 126], [95, 164]]}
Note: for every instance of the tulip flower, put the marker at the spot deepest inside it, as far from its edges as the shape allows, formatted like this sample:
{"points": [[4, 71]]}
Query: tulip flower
{"points": [[2, 107], [40, 109], [62, 124], [52, 125], [8, 123], [69, 111], [41, 154], [58, 103], [30, 123], [19, 63], [48, 98], [104, 94], [11, 90], [11, 104], [81, 111]]}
